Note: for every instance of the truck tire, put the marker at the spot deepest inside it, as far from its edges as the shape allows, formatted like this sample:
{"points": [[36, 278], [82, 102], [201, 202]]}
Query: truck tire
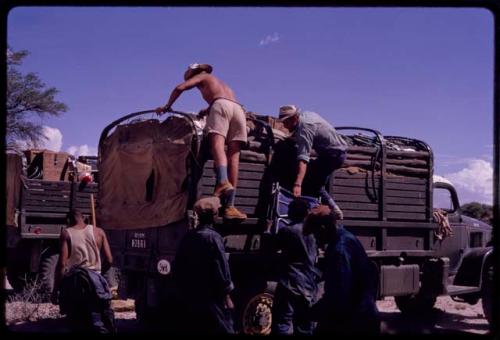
{"points": [[487, 292], [256, 312], [46, 274], [415, 304]]}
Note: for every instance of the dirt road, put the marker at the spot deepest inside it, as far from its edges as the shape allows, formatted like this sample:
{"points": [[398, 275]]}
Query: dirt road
{"points": [[448, 316]]}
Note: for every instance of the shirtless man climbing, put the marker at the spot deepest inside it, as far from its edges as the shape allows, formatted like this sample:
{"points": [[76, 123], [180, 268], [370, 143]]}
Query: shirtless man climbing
{"points": [[226, 124]]}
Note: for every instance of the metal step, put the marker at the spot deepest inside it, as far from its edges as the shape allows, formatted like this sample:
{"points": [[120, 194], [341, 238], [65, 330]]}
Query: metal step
{"points": [[459, 290]]}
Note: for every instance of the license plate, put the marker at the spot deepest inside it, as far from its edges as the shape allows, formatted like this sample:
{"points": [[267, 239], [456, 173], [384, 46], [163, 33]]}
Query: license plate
{"points": [[138, 240], [138, 243]]}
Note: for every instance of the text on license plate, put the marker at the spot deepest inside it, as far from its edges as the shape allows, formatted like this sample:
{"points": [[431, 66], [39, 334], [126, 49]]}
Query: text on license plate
{"points": [[138, 243]]}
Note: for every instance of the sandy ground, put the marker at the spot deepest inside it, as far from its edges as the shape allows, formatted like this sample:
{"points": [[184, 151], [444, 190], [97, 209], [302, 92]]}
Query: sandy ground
{"points": [[448, 316]]}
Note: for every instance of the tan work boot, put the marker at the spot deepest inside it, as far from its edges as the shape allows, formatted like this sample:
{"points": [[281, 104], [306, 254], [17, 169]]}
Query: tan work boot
{"points": [[223, 188], [231, 213]]}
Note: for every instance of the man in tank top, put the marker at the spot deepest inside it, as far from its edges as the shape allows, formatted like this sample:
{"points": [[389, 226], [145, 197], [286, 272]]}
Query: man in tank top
{"points": [[78, 268]]}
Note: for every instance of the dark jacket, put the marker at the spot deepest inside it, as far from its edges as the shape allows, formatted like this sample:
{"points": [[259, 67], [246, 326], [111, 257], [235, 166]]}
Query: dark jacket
{"points": [[85, 297], [297, 271], [351, 281], [201, 274]]}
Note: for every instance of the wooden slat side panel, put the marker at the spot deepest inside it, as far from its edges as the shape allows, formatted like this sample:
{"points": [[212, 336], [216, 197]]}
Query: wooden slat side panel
{"points": [[242, 183], [405, 216], [244, 166], [406, 208], [357, 214], [406, 194], [406, 187], [252, 193]]}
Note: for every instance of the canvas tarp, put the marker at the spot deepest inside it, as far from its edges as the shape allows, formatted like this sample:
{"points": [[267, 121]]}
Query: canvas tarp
{"points": [[143, 172]]}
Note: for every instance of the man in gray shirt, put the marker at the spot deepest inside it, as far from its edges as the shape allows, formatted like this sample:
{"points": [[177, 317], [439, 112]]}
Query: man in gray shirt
{"points": [[310, 131]]}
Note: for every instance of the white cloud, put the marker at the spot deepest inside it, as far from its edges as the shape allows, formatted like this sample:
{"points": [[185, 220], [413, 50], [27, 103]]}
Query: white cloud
{"points": [[82, 150], [54, 139], [275, 37], [474, 182]]}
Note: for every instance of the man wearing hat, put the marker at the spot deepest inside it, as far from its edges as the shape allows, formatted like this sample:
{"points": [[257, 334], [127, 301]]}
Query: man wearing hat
{"points": [[225, 124], [201, 274], [310, 131]]}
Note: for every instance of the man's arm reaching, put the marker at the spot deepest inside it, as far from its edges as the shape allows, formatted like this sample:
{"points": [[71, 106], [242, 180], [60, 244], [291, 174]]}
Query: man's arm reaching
{"points": [[187, 85]]}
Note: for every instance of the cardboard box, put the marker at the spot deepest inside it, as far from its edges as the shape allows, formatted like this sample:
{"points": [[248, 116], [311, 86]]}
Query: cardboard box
{"points": [[54, 164]]}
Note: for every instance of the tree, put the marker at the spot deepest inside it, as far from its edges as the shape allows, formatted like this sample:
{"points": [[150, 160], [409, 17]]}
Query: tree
{"points": [[483, 212], [27, 97]]}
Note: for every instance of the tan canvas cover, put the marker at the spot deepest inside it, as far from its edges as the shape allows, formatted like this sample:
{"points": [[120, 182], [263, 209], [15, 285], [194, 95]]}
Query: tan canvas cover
{"points": [[135, 156], [13, 186]]}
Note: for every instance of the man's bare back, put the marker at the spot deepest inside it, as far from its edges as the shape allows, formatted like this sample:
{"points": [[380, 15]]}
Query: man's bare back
{"points": [[211, 87]]}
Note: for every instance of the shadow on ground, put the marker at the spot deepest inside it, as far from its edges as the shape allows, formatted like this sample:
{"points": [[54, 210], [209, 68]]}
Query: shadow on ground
{"points": [[59, 326], [435, 322]]}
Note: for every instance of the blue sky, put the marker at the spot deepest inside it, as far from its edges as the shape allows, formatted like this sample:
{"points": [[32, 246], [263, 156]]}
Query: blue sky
{"points": [[416, 72]]}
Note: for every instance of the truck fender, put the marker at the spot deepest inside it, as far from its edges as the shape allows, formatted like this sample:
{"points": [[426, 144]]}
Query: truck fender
{"points": [[470, 271]]}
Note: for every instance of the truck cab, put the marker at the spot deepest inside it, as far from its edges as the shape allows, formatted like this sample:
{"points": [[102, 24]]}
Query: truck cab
{"points": [[468, 249]]}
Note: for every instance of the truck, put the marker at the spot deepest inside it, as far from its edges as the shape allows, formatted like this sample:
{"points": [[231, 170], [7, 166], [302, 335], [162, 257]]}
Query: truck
{"points": [[41, 188], [152, 172]]}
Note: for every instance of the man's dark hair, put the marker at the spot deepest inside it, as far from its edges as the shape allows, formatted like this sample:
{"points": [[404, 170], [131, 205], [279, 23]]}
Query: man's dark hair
{"points": [[73, 216], [298, 210]]}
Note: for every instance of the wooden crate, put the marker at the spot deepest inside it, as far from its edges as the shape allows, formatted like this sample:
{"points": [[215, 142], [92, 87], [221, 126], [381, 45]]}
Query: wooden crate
{"points": [[54, 164]]}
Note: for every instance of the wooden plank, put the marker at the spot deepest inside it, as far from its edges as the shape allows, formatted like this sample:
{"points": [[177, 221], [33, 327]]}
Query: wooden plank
{"points": [[355, 156], [405, 216], [40, 196], [357, 206], [368, 164], [351, 190], [405, 208], [403, 200], [49, 208], [409, 162], [343, 173], [400, 193], [208, 191], [407, 154], [359, 214], [361, 149], [27, 203], [51, 191], [255, 167], [246, 201], [407, 170], [246, 209], [241, 183], [352, 198], [406, 186], [241, 175], [355, 182], [405, 179], [33, 183]]}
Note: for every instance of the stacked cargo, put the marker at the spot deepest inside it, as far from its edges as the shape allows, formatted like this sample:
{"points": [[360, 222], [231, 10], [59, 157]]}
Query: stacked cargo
{"points": [[404, 164]]}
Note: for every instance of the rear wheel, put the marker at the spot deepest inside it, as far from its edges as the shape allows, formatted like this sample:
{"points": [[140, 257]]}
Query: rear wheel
{"points": [[47, 274], [256, 316], [487, 292], [415, 304]]}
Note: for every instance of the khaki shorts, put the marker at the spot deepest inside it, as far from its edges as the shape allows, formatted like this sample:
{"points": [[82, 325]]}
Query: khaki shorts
{"points": [[227, 119]]}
